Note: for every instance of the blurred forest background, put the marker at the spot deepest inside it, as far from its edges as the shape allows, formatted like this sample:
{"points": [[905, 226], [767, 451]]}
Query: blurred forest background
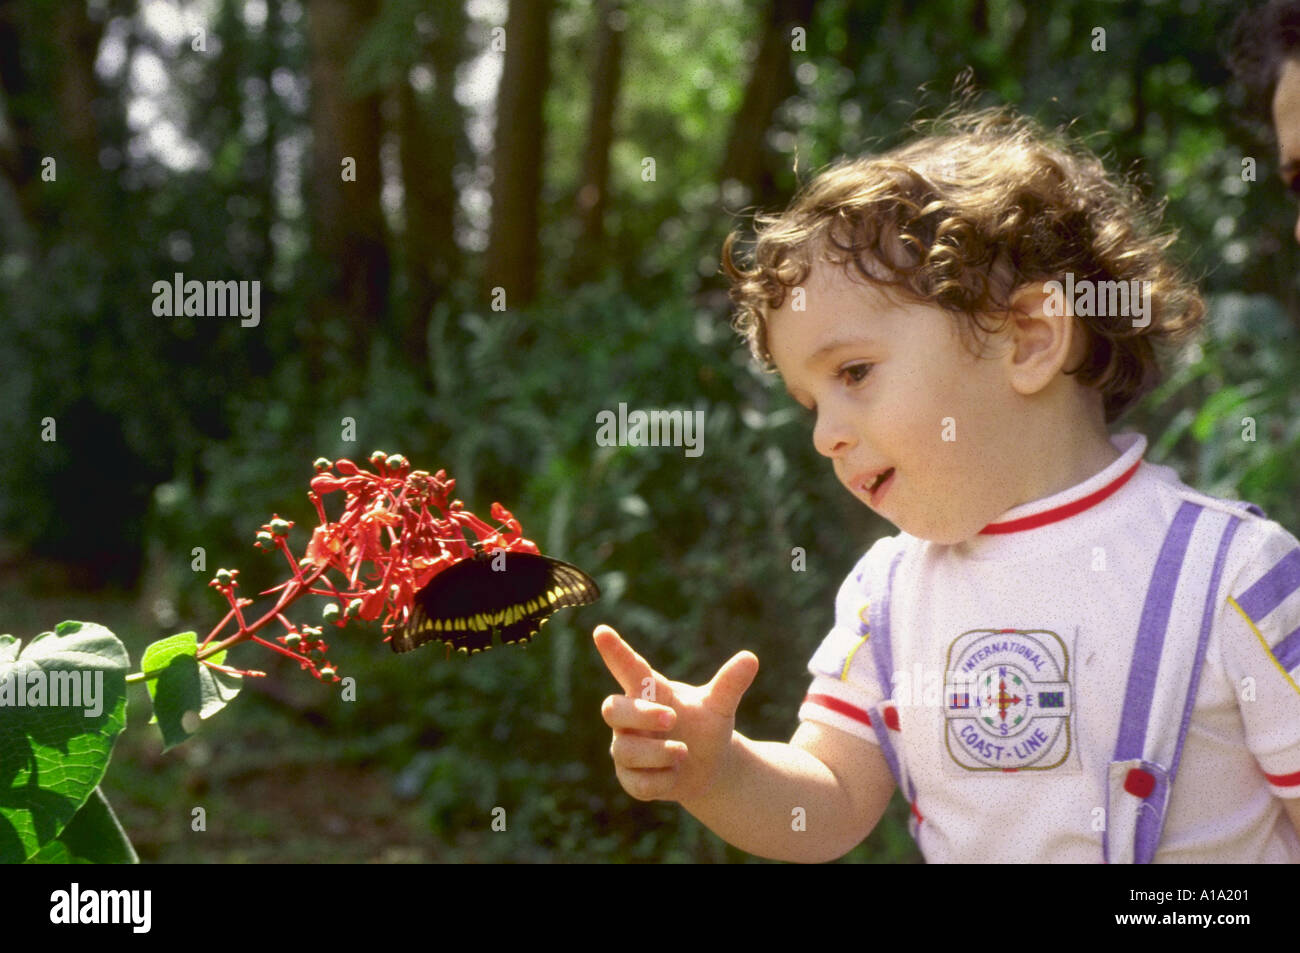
{"points": [[217, 154]]}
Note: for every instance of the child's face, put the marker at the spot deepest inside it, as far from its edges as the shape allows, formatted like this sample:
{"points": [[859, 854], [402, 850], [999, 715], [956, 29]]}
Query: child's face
{"points": [[893, 385]]}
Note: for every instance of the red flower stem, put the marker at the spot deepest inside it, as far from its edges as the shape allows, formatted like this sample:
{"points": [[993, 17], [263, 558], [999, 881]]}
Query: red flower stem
{"points": [[219, 627], [235, 671], [278, 648], [293, 563], [245, 631]]}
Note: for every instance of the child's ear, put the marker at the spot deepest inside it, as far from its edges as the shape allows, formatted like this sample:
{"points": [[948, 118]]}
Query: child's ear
{"points": [[1041, 299], [1045, 333]]}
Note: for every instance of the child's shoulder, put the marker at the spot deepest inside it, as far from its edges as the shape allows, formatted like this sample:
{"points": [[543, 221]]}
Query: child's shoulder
{"points": [[1260, 576], [1256, 539], [879, 557], [1258, 544]]}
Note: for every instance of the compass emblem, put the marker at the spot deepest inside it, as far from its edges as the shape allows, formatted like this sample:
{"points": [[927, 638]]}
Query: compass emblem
{"points": [[1008, 701], [1004, 699]]}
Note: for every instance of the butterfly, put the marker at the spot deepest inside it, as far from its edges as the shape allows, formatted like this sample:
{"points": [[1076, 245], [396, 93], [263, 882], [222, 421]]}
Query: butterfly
{"points": [[465, 604]]}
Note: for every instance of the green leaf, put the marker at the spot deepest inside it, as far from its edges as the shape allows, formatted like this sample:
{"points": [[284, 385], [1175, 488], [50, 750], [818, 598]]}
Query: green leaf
{"points": [[94, 836], [53, 753], [181, 687], [1220, 405]]}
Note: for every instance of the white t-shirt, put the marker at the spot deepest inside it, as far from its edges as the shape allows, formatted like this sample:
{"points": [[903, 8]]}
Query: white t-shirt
{"points": [[1050, 608]]}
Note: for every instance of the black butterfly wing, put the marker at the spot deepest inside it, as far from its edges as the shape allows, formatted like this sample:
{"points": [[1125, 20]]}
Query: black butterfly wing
{"points": [[465, 604], [553, 585]]}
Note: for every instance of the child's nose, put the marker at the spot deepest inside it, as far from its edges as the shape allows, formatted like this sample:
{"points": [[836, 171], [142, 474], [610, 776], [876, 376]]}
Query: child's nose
{"points": [[830, 437]]}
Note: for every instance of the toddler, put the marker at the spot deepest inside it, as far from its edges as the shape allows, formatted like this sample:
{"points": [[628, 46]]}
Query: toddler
{"points": [[1065, 654]]}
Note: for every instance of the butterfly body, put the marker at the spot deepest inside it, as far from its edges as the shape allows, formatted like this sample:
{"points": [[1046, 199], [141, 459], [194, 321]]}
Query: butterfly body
{"points": [[507, 592]]}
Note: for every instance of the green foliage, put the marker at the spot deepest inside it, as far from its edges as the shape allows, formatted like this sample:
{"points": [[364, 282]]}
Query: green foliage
{"points": [[93, 836], [53, 753], [181, 689], [1235, 439]]}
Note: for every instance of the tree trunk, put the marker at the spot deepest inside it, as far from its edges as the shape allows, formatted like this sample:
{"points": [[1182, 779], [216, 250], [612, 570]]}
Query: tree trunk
{"points": [[593, 186], [512, 254], [432, 128], [349, 224], [749, 160]]}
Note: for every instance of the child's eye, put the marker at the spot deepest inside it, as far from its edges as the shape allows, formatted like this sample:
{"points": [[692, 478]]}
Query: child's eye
{"points": [[855, 373]]}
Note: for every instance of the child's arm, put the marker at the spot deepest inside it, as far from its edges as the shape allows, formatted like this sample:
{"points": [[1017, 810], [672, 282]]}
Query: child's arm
{"points": [[841, 783], [678, 742]]}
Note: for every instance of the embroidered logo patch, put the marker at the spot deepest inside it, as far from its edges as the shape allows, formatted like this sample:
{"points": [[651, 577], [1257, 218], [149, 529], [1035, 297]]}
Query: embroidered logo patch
{"points": [[1008, 702]]}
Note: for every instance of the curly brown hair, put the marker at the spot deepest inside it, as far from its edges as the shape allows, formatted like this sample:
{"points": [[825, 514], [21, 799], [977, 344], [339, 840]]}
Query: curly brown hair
{"points": [[984, 203]]}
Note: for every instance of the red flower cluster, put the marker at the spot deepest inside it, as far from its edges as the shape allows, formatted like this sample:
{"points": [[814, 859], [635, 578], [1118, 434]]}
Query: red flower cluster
{"points": [[401, 522]]}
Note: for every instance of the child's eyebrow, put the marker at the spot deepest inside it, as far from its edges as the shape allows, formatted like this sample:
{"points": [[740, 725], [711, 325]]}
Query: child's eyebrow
{"points": [[857, 340], [835, 345]]}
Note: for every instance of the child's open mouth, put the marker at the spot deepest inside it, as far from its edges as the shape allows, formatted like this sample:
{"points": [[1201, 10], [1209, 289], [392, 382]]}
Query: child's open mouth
{"points": [[877, 488]]}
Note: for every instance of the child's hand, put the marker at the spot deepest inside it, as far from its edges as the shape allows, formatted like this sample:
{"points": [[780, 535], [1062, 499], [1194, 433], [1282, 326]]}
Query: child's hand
{"points": [[699, 718]]}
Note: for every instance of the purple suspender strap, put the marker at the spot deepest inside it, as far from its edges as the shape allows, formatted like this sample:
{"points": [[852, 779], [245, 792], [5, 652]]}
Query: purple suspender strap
{"points": [[1163, 678], [884, 717]]}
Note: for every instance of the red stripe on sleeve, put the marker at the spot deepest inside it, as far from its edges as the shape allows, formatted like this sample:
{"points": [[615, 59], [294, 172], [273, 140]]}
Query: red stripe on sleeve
{"points": [[843, 708], [1284, 780]]}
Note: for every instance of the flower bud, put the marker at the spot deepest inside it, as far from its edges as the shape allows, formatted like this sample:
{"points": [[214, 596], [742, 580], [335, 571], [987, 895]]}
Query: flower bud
{"points": [[395, 462], [264, 538], [327, 672], [223, 576], [330, 613], [280, 527], [354, 607], [377, 458], [323, 464], [292, 639], [346, 467]]}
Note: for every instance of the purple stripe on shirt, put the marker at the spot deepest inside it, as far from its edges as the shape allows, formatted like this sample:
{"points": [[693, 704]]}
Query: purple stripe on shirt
{"points": [[1274, 586], [1150, 824], [1151, 635], [886, 744], [879, 641], [1287, 652]]}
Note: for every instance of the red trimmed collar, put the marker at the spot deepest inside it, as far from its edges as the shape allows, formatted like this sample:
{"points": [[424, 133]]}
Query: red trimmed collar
{"points": [[1065, 510]]}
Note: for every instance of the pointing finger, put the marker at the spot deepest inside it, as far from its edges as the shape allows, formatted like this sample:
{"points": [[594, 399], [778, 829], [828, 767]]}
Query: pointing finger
{"points": [[633, 673]]}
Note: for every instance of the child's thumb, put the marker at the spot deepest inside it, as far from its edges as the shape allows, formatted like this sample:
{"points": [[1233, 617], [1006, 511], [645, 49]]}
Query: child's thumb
{"points": [[732, 681]]}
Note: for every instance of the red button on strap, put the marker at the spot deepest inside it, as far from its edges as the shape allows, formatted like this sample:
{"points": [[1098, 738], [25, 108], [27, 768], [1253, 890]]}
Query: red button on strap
{"points": [[891, 718], [1140, 782]]}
